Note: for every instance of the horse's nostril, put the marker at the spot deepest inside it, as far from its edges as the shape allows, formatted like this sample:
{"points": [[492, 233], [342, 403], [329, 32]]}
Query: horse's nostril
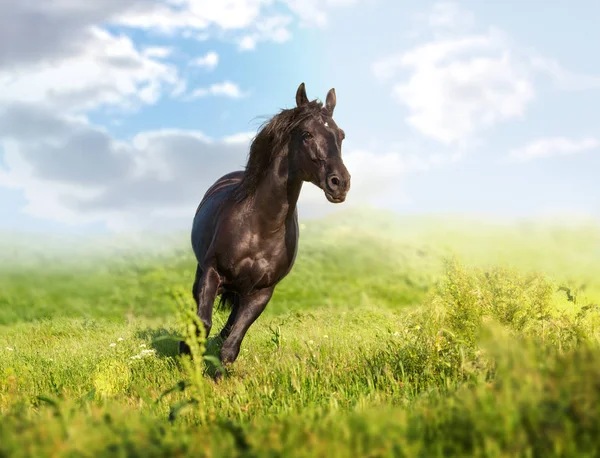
{"points": [[333, 182]]}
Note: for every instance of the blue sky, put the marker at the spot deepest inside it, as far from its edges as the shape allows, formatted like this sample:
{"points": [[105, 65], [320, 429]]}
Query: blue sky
{"points": [[487, 108]]}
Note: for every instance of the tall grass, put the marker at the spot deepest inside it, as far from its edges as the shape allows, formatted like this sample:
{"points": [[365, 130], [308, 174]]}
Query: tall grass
{"points": [[398, 344]]}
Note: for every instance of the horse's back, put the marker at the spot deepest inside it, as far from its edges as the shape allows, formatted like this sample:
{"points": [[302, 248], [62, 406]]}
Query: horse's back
{"points": [[226, 181], [206, 217]]}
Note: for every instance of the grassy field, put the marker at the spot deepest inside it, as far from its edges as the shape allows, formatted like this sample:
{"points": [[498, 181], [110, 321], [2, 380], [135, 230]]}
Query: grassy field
{"points": [[392, 336]]}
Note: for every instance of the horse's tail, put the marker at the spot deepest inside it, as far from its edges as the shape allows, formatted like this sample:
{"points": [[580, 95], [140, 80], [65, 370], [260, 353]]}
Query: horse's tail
{"points": [[228, 301]]}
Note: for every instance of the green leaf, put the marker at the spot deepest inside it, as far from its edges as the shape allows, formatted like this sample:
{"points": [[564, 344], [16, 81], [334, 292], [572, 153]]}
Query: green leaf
{"points": [[179, 387], [177, 408]]}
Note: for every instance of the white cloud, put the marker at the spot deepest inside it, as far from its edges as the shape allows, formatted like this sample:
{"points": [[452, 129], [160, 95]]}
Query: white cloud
{"points": [[160, 52], [273, 28], [226, 89], [459, 86], [39, 32], [554, 146], [256, 18], [314, 12], [208, 61], [109, 70], [193, 15], [448, 15], [453, 102], [52, 29], [75, 172], [59, 60], [61, 54], [566, 79], [247, 43], [462, 81]]}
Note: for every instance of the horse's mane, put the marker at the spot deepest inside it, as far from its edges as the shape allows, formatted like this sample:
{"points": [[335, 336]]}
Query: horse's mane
{"points": [[270, 141]]}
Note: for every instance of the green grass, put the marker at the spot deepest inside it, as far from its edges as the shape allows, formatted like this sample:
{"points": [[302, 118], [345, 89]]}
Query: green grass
{"points": [[391, 337]]}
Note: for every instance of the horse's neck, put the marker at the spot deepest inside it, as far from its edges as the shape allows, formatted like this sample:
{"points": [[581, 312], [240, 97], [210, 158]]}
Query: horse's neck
{"points": [[277, 194]]}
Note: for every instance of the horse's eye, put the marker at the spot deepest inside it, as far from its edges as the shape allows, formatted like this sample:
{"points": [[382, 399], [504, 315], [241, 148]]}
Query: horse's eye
{"points": [[306, 135]]}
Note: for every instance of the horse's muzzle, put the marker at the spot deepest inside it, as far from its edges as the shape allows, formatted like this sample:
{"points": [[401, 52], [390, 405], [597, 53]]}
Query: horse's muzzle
{"points": [[337, 184]]}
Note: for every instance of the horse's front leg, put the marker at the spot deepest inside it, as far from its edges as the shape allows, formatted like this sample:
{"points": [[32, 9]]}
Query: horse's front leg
{"points": [[206, 288], [250, 308]]}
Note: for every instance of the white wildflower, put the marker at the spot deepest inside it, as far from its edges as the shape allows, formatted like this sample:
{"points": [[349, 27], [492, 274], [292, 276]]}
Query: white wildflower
{"points": [[326, 336], [10, 349], [144, 353], [143, 346], [113, 345], [120, 339], [310, 342]]}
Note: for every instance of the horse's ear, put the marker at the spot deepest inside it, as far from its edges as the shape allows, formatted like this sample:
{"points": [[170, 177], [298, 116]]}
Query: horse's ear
{"points": [[301, 98], [330, 101]]}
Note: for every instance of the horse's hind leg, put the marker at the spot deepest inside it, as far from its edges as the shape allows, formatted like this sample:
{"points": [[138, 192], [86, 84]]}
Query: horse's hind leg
{"points": [[234, 300], [196, 286], [249, 309], [205, 288], [224, 334]]}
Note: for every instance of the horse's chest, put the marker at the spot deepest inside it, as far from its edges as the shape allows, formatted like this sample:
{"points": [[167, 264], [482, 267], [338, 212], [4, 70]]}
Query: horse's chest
{"points": [[270, 265], [267, 264]]}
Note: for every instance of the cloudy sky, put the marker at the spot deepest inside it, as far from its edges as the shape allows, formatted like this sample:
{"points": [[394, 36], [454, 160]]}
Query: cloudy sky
{"points": [[116, 114]]}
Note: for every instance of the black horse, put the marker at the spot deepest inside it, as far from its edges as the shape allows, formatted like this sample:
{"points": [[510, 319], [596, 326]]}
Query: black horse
{"points": [[245, 231]]}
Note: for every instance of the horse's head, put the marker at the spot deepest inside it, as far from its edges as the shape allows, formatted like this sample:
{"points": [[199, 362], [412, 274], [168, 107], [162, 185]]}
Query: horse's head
{"points": [[316, 148]]}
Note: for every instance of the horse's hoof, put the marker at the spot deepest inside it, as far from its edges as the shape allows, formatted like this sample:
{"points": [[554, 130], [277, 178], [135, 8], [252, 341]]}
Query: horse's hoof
{"points": [[218, 376]]}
